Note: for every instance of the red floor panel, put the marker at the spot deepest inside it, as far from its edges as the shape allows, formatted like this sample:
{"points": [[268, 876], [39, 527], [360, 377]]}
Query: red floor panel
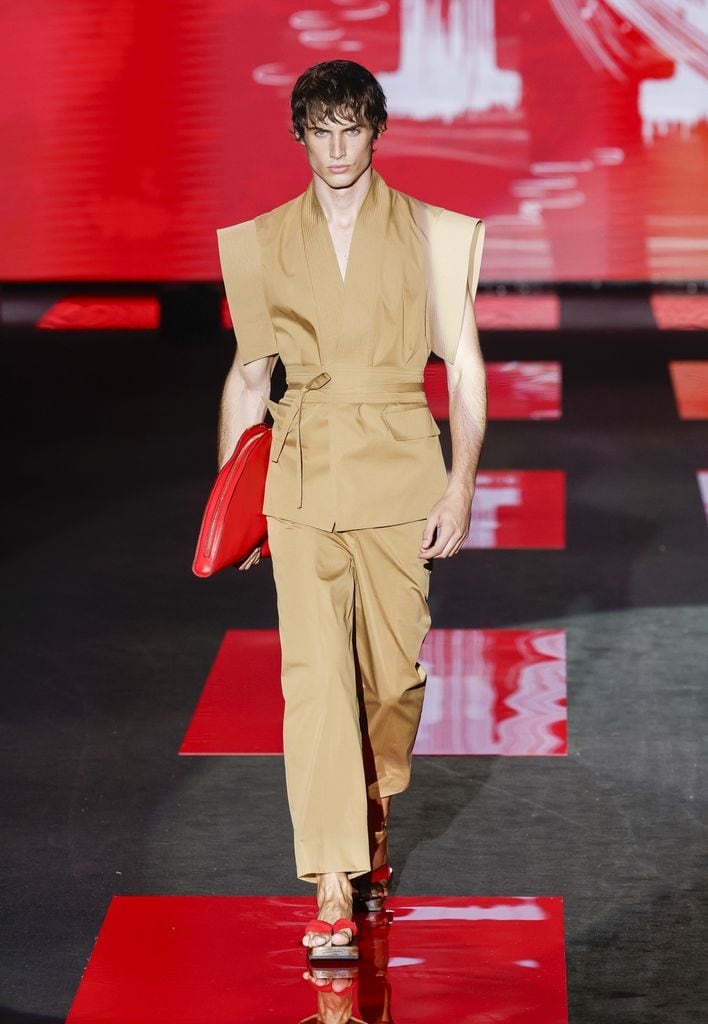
{"points": [[680, 312], [238, 960], [240, 710], [103, 312], [517, 312], [518, 509], [690, 382], [489, 692], [516, 390], [703, 488]]}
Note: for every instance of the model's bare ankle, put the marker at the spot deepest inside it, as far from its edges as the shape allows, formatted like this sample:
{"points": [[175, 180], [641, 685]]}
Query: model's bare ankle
{"points": [[334, 885], [333, 879]]}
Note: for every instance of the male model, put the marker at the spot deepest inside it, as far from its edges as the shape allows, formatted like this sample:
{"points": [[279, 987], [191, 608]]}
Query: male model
{"points": [[352, 284]]}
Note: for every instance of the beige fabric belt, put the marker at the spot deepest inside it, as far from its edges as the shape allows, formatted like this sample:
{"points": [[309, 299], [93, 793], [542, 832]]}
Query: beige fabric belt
{"points": [[368, 384]]}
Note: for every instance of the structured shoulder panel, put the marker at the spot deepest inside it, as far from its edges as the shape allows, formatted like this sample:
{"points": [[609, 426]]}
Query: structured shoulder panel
{"points": [[239, 254], [454, 257]]}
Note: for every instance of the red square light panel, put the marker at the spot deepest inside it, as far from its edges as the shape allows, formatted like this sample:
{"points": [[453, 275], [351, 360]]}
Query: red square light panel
{"points": [[518, 509], [516, 390], [517, 312], [690, 383], [102, 312], [488, 692], [238, 960], [680, 312]]}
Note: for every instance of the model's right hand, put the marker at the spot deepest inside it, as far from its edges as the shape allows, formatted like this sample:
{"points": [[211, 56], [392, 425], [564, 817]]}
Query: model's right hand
{"points": [[252, 559]]}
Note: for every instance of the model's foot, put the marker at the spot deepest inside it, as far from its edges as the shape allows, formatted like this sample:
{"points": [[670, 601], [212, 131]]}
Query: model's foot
{"points": [[334, 900]]}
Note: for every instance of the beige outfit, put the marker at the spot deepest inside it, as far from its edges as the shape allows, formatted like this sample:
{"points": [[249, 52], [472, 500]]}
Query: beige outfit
{"points": [[356, 466]]}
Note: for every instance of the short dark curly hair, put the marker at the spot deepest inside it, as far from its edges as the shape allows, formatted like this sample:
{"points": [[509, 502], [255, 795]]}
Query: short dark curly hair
{"points": [[337, 87]]}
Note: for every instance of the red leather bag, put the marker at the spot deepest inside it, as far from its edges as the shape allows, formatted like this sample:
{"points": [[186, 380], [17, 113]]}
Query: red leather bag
{"points": [[233, 522]]}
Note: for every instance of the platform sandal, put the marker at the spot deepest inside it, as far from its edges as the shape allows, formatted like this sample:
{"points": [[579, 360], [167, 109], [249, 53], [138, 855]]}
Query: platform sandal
{"points": [[328, 950], [371, 889], [371, 894]]}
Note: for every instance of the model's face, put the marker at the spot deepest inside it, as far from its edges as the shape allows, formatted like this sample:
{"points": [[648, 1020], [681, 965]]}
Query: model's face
{"points": [[338, 152]]}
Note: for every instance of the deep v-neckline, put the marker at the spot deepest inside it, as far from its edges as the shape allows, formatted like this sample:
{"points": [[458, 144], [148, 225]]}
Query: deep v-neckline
{"points": [[342, 301], [349, 251], [333, 250]]}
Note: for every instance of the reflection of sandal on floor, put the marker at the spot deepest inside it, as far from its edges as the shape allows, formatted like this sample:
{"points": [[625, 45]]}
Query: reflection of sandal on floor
{"points": [[343, 971], [328, 987], [328, 950]]}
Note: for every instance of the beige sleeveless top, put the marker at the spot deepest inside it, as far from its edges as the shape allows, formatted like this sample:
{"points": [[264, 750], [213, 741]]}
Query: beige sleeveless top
{"points": [[354, 444]]}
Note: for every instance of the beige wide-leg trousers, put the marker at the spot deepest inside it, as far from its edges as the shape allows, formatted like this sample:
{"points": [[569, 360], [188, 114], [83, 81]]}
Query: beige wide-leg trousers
{"points": [[353, 614]]}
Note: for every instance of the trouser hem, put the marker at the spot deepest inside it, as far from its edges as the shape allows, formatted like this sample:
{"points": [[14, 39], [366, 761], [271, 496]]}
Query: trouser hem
{"points": [[388, 786], [311, 876]]}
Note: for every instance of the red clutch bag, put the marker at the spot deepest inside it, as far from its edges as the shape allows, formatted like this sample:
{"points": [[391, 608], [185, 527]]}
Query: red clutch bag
{"points": [[233, 522]]}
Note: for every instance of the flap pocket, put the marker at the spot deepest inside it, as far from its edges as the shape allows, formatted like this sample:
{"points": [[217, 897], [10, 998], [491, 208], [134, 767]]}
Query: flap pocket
{"points": [[413, 421]]}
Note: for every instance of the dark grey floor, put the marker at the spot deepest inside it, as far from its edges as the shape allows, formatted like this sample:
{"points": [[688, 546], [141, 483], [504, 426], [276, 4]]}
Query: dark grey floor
{"points": [[108, 455]]}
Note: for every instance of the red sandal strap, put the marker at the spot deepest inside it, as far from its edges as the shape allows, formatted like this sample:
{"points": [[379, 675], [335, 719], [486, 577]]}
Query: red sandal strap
{"points": [[381, 874], [345, 922], [318, 925]]}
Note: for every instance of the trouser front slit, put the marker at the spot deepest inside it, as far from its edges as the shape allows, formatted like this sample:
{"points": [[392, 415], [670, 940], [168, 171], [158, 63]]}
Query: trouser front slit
{"points": [[352, 606]]}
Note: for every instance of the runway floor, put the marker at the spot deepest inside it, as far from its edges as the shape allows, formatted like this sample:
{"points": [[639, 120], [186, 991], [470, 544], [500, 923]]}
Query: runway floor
{"points": [[550, 854]]}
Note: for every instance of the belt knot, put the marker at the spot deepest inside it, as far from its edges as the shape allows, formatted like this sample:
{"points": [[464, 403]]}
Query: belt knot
{"points": [[295, 415]]}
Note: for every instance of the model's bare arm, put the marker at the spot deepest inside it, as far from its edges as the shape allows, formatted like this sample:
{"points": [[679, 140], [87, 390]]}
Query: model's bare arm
{"points": [[467, 389], [243, 401]]}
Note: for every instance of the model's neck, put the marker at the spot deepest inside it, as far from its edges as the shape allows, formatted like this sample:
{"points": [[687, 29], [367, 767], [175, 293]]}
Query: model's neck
{"points": [[341, 205]]}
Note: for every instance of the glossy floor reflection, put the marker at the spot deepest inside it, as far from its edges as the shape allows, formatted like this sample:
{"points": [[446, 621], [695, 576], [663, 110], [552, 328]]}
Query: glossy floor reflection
{"points": [[490, 691], [516, 390], [689, 378], [238, 960], [518, 509], [494, 691]]}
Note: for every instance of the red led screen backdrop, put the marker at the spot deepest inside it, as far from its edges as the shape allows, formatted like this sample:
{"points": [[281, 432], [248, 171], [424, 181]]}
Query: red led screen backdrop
{"points": [[131, 129]]}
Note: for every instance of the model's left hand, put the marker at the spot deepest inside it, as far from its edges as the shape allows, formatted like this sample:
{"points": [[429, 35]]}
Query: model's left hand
{"points": [[452, 516]]}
